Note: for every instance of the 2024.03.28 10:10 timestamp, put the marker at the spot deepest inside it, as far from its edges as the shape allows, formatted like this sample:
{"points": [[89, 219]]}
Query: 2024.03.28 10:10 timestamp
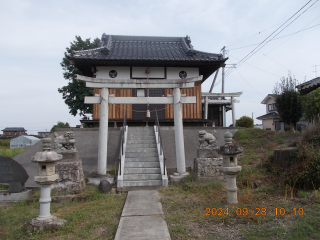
{"points": [[256, 211]]}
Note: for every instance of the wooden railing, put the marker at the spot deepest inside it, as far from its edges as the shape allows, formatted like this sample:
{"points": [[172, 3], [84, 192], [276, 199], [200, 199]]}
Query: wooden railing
{"points": [[160, 141], [123, 139]]}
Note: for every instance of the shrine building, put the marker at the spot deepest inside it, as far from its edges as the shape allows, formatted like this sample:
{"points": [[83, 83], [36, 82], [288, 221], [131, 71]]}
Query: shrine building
{"points": [[148, 58]]}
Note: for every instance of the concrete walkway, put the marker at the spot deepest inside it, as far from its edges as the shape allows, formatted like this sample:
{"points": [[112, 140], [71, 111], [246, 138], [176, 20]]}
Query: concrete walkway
{"points": [[142, 217]]}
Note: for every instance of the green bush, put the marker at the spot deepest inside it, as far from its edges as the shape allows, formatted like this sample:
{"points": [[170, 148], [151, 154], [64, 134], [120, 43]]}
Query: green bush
{"points": [[60, 125], [5, 142], [241, 134], [302, 194], [244, 121], [305, 170]]}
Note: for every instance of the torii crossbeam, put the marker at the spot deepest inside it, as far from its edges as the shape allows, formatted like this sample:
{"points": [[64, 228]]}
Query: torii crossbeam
{"points": [[104, 99]]}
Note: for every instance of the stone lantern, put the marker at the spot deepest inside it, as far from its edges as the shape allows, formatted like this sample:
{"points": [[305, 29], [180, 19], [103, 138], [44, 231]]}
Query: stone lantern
{"points": [[46, 177], [230, 166]]}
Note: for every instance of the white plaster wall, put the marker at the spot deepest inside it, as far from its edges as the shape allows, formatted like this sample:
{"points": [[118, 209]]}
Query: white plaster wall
{"points": [[270, 101], [155, 72], [173, 72], [267, 123], [103, 72]]}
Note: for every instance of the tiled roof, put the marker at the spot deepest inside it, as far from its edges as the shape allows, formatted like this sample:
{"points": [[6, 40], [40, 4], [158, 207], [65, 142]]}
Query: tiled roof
{"points": [[269, 115], [309, 86], [137, 48], [12, 129]]}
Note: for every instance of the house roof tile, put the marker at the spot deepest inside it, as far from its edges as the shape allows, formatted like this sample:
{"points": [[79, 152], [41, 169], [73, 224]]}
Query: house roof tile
{"points": [[116, 47], [269, 115], [12, 129], [308, 86]]}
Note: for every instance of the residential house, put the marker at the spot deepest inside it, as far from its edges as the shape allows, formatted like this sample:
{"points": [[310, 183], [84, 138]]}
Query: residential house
{"points": [[14, 131], [271, 120]]}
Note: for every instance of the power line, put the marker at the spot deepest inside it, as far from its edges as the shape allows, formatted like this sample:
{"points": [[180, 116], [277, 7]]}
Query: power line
{"points": [[258, 68], [253, 35], [293, 35], [279, 64], [267, 40], [247, 82], [276, 38]]}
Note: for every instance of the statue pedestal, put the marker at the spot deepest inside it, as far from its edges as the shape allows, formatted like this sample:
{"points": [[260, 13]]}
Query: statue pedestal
{"points": [[207, 165], [71, 178]]}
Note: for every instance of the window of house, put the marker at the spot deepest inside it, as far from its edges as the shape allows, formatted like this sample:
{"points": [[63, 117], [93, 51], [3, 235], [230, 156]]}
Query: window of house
{"points": [[272, 107]]}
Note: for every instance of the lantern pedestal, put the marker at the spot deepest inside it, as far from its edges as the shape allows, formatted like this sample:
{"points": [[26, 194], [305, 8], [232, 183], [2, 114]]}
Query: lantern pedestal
{"points": [[46, 170], [230, 166]]}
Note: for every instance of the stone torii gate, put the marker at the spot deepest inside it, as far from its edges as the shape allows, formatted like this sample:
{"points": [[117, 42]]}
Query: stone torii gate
{"points": [[231, 101], [140, 84]]}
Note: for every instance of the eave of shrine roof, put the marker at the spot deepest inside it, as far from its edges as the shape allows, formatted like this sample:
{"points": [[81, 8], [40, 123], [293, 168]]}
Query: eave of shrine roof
{"points": [[144, 48]]}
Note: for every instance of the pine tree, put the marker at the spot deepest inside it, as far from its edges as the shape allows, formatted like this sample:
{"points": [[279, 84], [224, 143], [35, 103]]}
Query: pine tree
{"points": [[75, 91]]}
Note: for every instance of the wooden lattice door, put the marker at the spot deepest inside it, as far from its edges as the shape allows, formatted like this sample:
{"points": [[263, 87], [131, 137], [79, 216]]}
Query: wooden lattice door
{"points": [[139, 110]]}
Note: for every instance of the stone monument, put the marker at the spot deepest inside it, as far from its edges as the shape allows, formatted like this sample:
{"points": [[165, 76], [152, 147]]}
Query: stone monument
{"points": [[69, 169], [46, 170], [208, 162], [12, 173], [230, 166]]}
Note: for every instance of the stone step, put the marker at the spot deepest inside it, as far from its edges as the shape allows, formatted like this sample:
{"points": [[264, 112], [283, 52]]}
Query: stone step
{"points": [[131, 150], [142, 159], [141, 141], [141, 137], [142, 132], [138, 177], [141, 154], [141, 145], [142, 183], [140, 128], [142, 164], [141, 170]]}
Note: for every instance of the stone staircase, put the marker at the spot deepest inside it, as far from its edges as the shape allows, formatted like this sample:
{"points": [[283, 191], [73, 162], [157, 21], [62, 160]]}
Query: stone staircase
{"points": [[142, 167]]}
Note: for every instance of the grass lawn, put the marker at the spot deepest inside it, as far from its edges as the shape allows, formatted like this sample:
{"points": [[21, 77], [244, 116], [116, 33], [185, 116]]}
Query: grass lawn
{"points": [[96, 217], [195, 210], [10, 152]]}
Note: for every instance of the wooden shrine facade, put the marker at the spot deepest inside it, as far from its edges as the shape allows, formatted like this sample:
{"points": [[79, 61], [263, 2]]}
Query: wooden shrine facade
{"points": [[116, 111]]}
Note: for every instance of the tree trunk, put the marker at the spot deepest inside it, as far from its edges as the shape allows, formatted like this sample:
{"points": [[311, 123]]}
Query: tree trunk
{"points": [[292, 127]]}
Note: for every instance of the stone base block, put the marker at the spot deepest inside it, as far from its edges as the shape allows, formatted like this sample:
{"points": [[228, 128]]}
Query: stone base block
{"points": [[208, 153], [284, 156], [44, 225], [7, 196], [71, 179], [207, 169], [69, 156], [176, 177]]}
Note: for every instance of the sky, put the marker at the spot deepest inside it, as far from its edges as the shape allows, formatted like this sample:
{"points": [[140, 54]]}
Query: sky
{"points": [[35, 34]]}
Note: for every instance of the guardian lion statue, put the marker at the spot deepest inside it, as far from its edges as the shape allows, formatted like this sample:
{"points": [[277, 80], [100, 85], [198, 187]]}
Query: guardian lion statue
{"points": [[65, 142], [210, 139]]}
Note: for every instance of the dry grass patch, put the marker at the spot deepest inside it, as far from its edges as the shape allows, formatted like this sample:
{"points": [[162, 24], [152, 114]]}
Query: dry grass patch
{"points": [[196, 210], [96, 218]]}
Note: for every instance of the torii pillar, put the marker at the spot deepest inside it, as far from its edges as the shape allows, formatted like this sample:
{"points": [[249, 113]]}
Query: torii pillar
{"points": [[179, 137], [103, 132]]}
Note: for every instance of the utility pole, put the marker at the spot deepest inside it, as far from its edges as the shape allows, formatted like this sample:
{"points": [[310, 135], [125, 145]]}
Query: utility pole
{"points": [[315, 69], [222, 88]]}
